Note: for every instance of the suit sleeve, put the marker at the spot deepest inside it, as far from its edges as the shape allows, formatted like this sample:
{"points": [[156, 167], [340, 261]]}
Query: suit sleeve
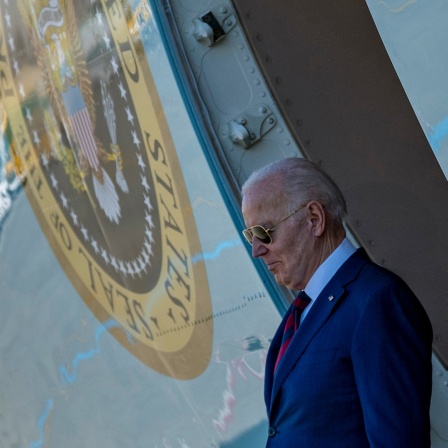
{"points": [[391, 357]]}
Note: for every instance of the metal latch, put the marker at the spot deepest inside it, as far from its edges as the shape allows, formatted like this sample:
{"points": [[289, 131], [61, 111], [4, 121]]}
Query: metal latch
{"points": [[251, 125], [212, 26]]}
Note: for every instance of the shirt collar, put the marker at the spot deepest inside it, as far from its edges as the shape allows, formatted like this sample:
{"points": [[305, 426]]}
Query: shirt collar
{"points": [[328, 268]]}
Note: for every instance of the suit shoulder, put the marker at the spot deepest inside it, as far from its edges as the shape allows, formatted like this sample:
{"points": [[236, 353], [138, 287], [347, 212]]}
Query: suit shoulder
{"points": [[375, 277]]}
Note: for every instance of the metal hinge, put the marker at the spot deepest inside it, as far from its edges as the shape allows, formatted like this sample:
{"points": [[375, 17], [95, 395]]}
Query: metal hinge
{"points": [[212, 26], [251, 125]]}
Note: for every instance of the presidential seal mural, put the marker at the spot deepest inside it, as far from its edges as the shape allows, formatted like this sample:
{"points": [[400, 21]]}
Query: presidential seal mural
{"points": [[103, 176]]}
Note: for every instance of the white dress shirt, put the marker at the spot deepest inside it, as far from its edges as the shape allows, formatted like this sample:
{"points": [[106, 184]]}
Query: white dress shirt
{"points": [[326, 271]]}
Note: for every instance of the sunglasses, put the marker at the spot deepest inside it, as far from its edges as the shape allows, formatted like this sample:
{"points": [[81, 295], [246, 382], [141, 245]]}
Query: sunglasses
{"points": [[264, 235]]}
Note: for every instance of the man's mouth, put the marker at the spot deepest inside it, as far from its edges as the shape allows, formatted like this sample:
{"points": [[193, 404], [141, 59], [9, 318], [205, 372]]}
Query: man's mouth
{"points": [[272, 266]]}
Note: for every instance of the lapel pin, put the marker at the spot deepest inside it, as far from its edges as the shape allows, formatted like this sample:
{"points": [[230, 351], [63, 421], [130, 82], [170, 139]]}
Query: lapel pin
{"points": [[330, 298]]}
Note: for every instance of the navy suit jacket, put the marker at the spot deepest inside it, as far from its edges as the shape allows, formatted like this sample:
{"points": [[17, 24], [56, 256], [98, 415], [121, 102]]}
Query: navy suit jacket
{"points": [[358, 371]]}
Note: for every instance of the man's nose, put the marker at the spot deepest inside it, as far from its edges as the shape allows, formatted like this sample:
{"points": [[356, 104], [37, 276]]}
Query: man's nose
{"points": [[258, 248]]}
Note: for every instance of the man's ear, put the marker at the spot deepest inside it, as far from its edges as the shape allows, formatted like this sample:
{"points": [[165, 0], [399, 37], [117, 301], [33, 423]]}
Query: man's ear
{"points": [[316, 215]]}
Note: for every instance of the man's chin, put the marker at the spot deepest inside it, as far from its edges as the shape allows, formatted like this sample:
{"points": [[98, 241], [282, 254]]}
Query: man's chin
{"points": [[279, 279]]}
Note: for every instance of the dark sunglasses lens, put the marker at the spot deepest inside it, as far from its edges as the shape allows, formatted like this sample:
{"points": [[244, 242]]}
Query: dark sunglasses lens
{"points": [[248, 235], [260, 233]]}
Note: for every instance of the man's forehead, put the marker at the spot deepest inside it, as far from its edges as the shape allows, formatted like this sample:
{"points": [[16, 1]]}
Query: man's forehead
{"points": [[264, 200], [257, 194], [266, 190], [271, 183]]}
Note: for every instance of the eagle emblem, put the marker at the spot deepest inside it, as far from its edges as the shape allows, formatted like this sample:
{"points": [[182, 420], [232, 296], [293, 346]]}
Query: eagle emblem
{"points": [[56, 42]]}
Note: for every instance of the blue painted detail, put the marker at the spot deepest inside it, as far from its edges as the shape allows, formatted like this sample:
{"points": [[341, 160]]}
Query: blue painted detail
{"points": [[215, 254], [71, 377], [42, 421], [438, 134]]}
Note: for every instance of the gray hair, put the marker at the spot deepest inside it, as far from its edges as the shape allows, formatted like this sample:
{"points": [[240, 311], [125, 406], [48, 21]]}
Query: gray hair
{"points": [[303, 181]]}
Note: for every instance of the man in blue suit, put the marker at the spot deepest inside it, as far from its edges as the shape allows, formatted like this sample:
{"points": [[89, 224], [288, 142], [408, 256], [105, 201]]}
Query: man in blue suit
{"points": [[353, 369]]}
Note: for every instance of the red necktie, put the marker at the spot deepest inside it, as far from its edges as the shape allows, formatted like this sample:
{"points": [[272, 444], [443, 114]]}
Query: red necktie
{"points": [[292, 323]]}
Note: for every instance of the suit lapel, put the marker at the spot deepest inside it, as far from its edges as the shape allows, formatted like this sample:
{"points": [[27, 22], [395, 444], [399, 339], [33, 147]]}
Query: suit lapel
{"points": [[316, 317], [318, 314]]}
